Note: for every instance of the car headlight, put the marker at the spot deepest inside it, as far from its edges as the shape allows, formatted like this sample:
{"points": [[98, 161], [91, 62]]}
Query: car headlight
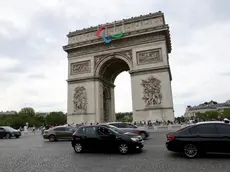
{"points": [[134, 139]]}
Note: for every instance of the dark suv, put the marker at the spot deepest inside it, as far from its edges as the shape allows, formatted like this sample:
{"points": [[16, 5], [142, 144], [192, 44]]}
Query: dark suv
{"points": [[105, 137]]}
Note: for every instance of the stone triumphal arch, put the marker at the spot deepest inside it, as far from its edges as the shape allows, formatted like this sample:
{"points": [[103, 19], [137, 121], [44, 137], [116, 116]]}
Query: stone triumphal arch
{"points": [[142, 49]]}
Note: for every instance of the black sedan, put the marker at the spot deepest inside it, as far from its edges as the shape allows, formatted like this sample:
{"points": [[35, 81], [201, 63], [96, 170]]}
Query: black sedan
{"points": [[8, 132], [105, 138], [194, 140]]}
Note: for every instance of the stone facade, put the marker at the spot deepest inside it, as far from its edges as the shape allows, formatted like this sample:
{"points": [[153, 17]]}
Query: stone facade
{"points": [[205, 107], [93, 66]]}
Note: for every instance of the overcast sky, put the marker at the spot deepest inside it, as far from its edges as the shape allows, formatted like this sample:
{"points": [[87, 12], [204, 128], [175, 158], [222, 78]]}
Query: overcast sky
{"points": [[33, 66]]}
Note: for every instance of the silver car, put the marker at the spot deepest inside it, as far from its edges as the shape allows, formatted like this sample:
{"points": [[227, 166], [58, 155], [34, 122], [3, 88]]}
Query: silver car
{"points": [[130, 128]]}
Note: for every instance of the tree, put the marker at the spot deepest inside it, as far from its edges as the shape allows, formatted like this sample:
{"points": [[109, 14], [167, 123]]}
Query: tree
{"points": [[27, 111], [226, 113], [57, 118], [212, 115], [124, 116]]}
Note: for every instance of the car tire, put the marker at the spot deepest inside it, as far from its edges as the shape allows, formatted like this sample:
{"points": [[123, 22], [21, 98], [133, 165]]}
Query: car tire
{"points": [[123, 148], [143, 135], [52, 138], [17, 137], [8, 136], [190, 150], [78, 148]]}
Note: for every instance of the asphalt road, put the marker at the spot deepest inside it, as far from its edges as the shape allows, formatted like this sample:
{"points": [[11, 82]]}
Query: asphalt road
{"points": [[31, 153]]}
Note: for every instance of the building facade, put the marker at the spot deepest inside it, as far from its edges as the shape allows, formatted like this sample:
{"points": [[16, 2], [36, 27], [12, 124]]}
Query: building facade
{"points": [[207, 106]]}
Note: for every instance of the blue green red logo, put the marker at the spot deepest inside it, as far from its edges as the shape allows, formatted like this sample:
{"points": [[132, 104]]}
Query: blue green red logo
{"points": [[107, 39]]}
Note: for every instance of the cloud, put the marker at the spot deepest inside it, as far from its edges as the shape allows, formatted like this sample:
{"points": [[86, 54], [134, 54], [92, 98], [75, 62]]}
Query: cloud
{"points": [[225, 73], [33, 66]]}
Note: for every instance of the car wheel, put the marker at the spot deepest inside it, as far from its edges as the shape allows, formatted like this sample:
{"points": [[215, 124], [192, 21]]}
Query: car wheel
{"points": [[8, 136], [123, 148], [190, 150], [17, 137], [52, 138], [143, 135], [78, 148]]}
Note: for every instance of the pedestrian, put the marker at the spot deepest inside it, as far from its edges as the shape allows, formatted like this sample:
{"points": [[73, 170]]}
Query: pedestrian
{"points": [[33, 129]]}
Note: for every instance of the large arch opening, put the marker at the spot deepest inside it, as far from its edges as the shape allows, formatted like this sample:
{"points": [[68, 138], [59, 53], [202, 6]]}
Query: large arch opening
{"points": [[109, 71], [123, 97]]}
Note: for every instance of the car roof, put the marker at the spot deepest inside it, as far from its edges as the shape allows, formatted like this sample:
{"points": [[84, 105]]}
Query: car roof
{"points": [[102, 125], [114, 122], [59, 127], [210, 122]]}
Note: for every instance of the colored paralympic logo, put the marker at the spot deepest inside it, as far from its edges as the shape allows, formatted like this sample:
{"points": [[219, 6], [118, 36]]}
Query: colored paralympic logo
{"points": [[107, 39]]}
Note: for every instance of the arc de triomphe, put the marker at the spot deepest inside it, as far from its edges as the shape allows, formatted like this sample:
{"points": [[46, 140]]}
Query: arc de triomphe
{"points": [[141, 46]]}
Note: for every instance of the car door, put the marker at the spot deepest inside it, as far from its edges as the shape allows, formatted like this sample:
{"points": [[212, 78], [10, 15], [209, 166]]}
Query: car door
{"points": [[80, 136], [224, 131], [91, 138], [60, 132], [106, 138], [207, 137], [69, 132]]}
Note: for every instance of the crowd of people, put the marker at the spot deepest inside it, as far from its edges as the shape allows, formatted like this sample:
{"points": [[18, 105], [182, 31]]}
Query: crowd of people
{"points": [[143, 123]]}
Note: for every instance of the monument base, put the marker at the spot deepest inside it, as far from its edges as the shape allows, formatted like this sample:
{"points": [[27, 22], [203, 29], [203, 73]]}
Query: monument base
{"points": [[80, 118], [163, 114]]}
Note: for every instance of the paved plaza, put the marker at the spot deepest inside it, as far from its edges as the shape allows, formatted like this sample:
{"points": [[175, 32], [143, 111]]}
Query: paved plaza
{"points": [[31, 153]]}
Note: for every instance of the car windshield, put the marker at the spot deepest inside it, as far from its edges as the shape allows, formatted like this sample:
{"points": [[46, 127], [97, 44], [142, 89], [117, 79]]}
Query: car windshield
{"points": [[115, 129], [9, 128]]}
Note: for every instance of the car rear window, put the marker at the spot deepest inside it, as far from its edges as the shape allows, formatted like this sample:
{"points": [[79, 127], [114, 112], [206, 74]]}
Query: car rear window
{"points": [[184, 130], [118, 125], [59, 129]]}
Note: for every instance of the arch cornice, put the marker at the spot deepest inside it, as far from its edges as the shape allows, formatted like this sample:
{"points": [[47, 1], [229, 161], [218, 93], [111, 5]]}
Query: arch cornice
{"points": [[126, 56]]}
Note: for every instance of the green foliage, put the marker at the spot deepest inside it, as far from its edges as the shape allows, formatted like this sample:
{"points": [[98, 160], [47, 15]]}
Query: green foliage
{"points": [[27, 111], [28, 115], [124, 117], [56, 118], [211, 115], [226, 113], [180, 119]]}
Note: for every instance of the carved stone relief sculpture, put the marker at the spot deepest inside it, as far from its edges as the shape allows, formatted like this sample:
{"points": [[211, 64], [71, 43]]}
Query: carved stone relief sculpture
{"points": [[80, 67], [148, 56], [80, 100], [152, 91]]}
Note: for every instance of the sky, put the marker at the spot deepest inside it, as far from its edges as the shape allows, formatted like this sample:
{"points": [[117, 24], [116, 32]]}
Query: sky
{"points": [[33, 65]]}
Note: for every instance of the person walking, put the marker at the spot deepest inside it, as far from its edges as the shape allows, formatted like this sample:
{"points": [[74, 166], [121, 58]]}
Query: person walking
{"points": [[34, 129]]}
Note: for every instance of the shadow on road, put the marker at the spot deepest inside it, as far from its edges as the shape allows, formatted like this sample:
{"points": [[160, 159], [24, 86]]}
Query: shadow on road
{"points": [[205, 156]]}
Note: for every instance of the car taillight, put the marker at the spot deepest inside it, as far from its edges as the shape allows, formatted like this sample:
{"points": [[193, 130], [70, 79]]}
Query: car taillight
{"points": [[170, 137], [138, 131]]}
